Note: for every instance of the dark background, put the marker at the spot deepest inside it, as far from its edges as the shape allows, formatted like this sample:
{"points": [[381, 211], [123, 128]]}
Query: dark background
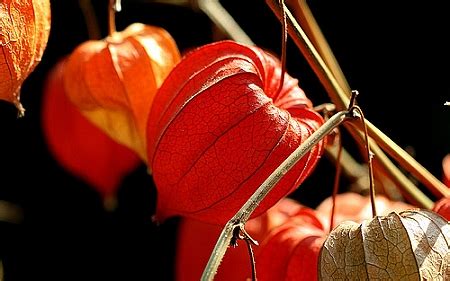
{"points": [[395, 55]]}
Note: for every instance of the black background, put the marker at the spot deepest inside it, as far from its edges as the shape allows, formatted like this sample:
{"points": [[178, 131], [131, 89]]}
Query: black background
{"points": [[395, 55]]}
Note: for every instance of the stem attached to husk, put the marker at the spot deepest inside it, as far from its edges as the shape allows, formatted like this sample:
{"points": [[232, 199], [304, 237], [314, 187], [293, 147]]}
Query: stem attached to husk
{"points": [[369, 160], [337, 176], [241, 217], [114, 6]]}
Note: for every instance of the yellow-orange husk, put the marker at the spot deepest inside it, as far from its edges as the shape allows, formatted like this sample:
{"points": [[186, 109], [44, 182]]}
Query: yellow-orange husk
{"points": [[24, 32], [113, 81]]}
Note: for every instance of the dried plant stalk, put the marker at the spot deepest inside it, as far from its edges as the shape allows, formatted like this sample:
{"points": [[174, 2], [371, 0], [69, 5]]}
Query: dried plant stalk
{"points": [[339, 96]]}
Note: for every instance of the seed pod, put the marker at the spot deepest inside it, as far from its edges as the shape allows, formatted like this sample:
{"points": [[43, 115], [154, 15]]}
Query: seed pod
{"points": [[218, 127], [410, 245], [113, 81], [24, 31], [77, 145]]}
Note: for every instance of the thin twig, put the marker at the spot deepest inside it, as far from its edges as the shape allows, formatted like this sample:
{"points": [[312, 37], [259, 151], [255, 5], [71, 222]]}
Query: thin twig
{"points": [[409, 163], [340, 98], [369, 160], [306, 19], [337, 176], [351, 168], [241, 217], [252, 258], [249, 241], [283, 49]]}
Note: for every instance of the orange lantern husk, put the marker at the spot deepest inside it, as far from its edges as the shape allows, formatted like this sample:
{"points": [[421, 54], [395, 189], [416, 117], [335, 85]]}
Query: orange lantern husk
{"points": [[196, 240], [113, 81], [24, 32], [79, 146]]}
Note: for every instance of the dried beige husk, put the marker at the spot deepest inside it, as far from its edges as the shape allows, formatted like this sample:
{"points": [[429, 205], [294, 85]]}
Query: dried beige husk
{"points": [[410, 245]]}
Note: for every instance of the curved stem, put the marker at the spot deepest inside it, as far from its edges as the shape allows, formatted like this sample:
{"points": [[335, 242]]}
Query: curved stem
{"points": [[369, 161], [241, 217], [252, 259], [336, 181]]}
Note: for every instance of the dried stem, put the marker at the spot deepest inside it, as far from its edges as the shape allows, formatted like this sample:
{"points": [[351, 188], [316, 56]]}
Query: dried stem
{"points": [[240, 234], [219, 15], [113, 7], [351, 168], [340, 97], [283, 48], [303, 14], [369, 161], [252, 258], [19, 107], [241, 217], [10, 212], [90, 19], [336, 181], [306, 19]]}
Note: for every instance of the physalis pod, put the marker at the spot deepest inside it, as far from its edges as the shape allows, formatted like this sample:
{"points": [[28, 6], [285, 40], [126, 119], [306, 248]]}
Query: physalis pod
{"points": [[113, 81], [79, 146], [219, 126], [410, 245], [24, 32]]}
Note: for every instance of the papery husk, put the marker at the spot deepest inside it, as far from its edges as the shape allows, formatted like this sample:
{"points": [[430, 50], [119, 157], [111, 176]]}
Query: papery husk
{"points": [[24, 32], [410, 245], [113, 81]]}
